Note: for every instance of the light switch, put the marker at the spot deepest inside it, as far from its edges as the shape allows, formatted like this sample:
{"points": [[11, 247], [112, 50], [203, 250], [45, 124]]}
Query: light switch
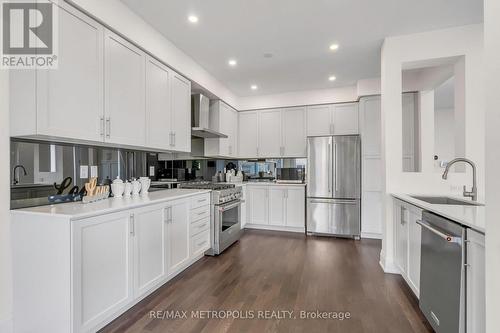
{"points": [[93, 171], [84, 171], [151, 171]]}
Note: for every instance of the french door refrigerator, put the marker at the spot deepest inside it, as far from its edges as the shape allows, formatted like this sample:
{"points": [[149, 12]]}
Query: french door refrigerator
{"points": [[334, 185]]}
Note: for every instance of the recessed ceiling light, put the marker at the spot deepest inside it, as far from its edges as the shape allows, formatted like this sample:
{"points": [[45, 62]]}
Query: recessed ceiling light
{"points": [[268, 55], [193, 18], [254, 87], [334, 47], [232, 62], [332, 78]]}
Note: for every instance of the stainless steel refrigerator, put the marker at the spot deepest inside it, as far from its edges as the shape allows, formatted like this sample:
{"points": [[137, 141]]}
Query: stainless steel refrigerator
{"points": [[334, 185]]}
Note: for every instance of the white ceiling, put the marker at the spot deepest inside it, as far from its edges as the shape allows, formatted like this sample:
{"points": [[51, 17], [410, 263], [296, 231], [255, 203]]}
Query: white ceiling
{"points": [[298, 34]]}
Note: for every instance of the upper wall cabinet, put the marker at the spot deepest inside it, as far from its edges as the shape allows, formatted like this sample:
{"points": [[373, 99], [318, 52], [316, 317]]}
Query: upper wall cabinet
{"points": [[223, 119], [67, 101], [273, 133], [125, 100], [332, 119], [105, 90]]}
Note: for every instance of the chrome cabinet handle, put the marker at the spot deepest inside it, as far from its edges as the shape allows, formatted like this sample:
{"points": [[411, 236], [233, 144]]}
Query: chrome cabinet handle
{"points": [[446, 237], [108, 127], [101, 123], [132, 225]]}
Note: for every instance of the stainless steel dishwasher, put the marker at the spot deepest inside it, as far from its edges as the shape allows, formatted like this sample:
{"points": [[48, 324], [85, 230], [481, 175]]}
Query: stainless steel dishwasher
{"points": [[442, 273]]}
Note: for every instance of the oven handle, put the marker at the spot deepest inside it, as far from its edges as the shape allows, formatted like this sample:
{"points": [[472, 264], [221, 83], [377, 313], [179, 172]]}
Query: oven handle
{"points": [[446, 237], [225, 207]]}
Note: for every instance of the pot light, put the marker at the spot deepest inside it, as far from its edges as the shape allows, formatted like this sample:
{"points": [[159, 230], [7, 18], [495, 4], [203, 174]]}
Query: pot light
{"points": [[332, 78], [254, 87], [232, 62], [193, 18], [334, 47]]}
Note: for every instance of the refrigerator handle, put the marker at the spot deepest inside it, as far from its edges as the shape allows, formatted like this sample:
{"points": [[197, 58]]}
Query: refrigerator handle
{"points": [[336, 165], [329, 166]]}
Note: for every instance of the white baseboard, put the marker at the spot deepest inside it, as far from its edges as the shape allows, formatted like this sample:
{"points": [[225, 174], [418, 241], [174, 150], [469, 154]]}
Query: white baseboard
{"points": [[388, 267], [274, 228], [6, 326], [371, 235]]}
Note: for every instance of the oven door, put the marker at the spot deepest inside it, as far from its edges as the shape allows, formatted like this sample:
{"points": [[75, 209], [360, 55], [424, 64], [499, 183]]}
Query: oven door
{"points": [[227, 225]]}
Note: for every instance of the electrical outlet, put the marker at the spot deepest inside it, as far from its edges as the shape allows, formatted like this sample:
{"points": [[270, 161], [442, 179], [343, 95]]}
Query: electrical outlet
{"points": [[151, 171], [84, 171], [93, 171]]}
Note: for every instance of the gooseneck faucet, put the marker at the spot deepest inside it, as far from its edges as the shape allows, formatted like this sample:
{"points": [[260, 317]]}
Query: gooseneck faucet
{"points": [[15, 181], [472, 194]]}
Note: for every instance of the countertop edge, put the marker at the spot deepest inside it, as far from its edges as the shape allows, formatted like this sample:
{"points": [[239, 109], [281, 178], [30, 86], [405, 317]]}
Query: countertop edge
{"points": [[110, 210], [437, 209]]}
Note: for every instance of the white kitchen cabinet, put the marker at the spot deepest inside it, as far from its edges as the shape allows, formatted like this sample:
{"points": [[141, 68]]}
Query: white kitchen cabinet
{"points": [[475, 287], [295, 207], [332, 119], [248, 134], [244, 205], [345, 119], [158, 105], [294, 141], [257, 204], [320, 120], [103, 264], [181, 113], [276, 207], [276, 204], [177, 235], [401, 227], [124, 87], [149, 248], [414, 243], [270, 144], [223, 119], [66, 102]]}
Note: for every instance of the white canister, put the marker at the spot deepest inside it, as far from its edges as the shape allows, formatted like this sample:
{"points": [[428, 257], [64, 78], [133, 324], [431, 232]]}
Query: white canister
{"points": [[145, 184], [117, 187], [128, 189], [136, 187]]}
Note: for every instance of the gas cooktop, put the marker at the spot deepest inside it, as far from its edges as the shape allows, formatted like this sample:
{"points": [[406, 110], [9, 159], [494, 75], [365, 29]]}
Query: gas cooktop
{"points": [[206, 185]]}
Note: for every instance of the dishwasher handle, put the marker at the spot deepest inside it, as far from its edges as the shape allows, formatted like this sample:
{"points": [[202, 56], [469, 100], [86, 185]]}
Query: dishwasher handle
{"points": [[446, 237]]}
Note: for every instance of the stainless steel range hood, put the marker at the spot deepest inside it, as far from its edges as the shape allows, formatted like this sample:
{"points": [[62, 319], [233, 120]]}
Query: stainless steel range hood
{"points": [[200, 120]]}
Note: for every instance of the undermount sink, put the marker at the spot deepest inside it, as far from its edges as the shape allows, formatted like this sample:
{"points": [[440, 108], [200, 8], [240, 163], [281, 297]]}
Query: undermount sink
{"points": [[445, 201]]}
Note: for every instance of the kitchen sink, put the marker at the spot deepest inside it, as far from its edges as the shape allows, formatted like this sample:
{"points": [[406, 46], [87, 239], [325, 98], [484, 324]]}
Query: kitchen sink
{"points": [[445, 201]]}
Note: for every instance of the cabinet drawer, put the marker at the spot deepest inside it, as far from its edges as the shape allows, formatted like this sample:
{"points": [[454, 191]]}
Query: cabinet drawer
{"points": [[200, 213], [200, 243], [199, 226], [200, 200]]}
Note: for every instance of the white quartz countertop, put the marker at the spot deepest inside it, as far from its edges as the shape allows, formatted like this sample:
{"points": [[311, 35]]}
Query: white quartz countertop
{"points": [[79, 210], [273, 184], [470, 216]]}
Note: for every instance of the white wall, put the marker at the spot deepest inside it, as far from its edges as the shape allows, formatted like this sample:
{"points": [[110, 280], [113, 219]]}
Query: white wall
{"points": [[444, 134], [5, 260], [492, 61], [120, 18], [294, 98], [454, 42]]}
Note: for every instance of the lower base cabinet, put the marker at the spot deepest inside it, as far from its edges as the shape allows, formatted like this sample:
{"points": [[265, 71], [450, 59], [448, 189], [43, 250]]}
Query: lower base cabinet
{"points": [[475, 285], [276, 207], [109, 263]]}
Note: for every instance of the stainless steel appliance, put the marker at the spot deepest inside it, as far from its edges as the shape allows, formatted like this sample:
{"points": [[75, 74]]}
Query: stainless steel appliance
{"points": [[290, 175], [200, 118], [225, 210], [334, 185], [442, 273]]}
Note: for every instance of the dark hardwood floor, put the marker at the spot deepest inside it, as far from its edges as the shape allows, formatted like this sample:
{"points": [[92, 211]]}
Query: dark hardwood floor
{"points": [[288, 272]]}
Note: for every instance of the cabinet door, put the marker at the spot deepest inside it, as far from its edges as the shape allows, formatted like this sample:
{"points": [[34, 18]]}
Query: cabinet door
{"points": [[276, 204], [102, 269], [181, 113], [158, 105], [414, 237], [319, 120], [270, 133], [345, 119], [402, 217], [178, 235], [475, 270], [248, 132], [234, 133], [294, 132], [295, 207], [70, 98], [225, 126], [258, 205], [244, 206], [149, 254], [125, 91]]}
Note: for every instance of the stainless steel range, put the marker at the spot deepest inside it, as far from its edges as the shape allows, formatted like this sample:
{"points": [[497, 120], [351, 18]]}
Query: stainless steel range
{"points": [[225, 210]]}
